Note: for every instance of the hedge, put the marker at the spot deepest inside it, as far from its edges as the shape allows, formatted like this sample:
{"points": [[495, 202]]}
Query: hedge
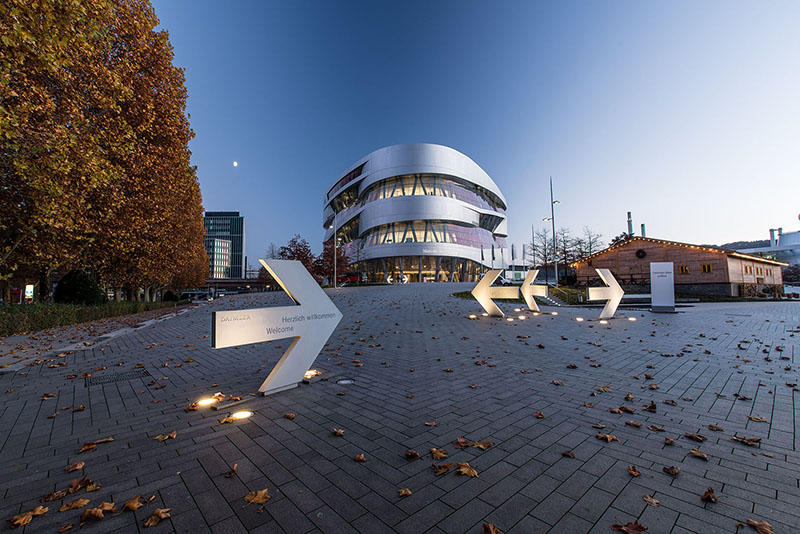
{"points": [[21, 318]]}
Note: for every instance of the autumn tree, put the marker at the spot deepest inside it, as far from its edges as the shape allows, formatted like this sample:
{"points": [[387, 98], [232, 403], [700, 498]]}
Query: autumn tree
{"points": [[94, 156], [56, 111], [324, 265], [298, 249]]}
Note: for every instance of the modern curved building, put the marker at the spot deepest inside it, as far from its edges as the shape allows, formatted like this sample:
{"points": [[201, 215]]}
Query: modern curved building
{"points": [[417, 212]]}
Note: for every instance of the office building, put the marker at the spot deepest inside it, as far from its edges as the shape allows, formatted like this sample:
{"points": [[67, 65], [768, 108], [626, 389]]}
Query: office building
{"points": [[226, 226]]}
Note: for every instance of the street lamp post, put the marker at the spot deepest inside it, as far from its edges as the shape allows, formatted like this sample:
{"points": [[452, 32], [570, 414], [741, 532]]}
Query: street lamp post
{"points": [[334, 248], [552, 219]]}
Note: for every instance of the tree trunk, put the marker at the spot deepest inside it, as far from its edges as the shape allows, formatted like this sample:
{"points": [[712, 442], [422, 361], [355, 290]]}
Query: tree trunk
{"points": [[44, 285], [117, 294]]}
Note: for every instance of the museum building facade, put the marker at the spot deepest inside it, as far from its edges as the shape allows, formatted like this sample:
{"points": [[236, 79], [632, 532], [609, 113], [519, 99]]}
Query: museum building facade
{"points": [[417, 213]]}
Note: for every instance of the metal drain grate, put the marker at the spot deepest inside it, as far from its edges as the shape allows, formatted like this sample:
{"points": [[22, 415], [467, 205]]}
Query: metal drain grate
{"points": [[116, 377]]}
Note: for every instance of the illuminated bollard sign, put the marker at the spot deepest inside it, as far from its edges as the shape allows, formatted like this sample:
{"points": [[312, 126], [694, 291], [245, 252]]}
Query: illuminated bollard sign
{"points": [[612, 293], [310, 323], [484, 292]]}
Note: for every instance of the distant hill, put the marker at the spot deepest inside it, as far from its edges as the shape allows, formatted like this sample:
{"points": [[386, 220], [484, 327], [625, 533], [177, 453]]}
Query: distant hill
{"points": [[736, 245]]}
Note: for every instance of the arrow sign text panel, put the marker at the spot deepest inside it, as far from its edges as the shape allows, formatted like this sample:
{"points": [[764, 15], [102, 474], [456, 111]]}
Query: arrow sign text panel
{"points": [[310, 324]]}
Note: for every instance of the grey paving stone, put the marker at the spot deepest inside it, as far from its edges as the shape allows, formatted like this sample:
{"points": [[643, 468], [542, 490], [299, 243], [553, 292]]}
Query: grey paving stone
{"points": [[524, 483]]}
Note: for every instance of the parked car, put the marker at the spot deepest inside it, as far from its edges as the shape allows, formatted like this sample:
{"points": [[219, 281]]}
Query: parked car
{"points": [[351, 278], [499, 281]]}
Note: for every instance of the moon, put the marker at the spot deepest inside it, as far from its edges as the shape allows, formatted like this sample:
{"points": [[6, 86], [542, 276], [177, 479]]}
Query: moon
{"points": [[235, 163]]}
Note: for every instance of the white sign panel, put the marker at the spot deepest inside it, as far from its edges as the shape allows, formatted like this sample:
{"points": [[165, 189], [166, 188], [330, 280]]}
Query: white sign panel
{"points": [[309, 324], [662, 286]]}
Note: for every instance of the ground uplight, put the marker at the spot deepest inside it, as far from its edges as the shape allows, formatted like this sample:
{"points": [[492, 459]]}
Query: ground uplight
{"points": [[311, 373], [244, 414], [579, 319], [603, 321], [207, 401], [631, 318]]}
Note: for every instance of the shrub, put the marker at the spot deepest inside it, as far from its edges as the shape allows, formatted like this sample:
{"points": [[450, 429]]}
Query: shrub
{"points": [[78, 287]]}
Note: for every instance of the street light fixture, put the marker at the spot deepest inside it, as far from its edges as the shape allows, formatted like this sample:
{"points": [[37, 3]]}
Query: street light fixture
{"points": [[334, 248], [553, 220]]}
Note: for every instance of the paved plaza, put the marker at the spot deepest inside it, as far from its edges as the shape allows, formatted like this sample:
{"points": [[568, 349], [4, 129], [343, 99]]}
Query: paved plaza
{"points": [[422, 376]]}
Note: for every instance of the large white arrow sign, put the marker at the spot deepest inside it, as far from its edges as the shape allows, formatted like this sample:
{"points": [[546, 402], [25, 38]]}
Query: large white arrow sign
{"points": [[484, 293], [310, 324], [531, 289], [611, 294]]}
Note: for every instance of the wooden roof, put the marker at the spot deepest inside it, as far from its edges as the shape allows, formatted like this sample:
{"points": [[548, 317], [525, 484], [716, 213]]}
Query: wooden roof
{"points": [[704, 248]]}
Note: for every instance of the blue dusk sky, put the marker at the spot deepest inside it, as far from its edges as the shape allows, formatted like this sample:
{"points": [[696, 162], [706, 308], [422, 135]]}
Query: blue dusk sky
{"points": [[686, 113]]}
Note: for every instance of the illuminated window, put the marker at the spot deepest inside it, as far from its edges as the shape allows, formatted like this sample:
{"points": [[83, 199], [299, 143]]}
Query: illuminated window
{"points": [[706, 268], [683, 269]]}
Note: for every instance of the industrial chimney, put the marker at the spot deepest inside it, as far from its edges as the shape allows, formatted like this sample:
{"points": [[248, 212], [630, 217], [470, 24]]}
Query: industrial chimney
{"points": [[643, 232], [630, 224]]}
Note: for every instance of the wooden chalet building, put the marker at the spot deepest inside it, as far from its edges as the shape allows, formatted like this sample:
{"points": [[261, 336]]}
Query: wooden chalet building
{"points": [[699, 270]]}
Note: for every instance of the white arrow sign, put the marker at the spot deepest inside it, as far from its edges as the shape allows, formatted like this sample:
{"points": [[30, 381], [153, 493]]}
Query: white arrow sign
{"points": [[484, 293], [310, 324], [611, 294], [531, 289]]}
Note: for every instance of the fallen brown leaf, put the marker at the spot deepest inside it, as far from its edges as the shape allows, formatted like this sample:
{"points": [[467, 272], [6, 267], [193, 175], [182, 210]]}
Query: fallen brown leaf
{"points": [[632, 527], [440, 469], [65, 527], [698, 454], [405, 492], [133, 504], [439, 454], [360, 458], [258, 497], [696, 437], [159, 514], [715, 428], [289, 416], [232, 472], [633, 471], [411, 453], [482, 445], [669, 441], [489, 528], [757, 419], [74, 467], [77, 503], [568, 454], [672, 470], [25, 518], [634, 424], [165, 437], [430, 423], [650, 500], [338, 432], [461, 443], [762, 527], [465, 469], [539, 415], [608, 437], [709, 496], [752, 442]]}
